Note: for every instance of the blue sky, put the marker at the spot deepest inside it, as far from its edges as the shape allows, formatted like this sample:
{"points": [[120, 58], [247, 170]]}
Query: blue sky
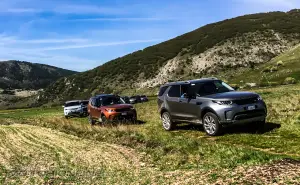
{"points": [[83, 34]]}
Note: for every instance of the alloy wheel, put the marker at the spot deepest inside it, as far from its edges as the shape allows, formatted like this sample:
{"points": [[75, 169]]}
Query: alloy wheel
{"points": [[210, 124], [166, 121]]}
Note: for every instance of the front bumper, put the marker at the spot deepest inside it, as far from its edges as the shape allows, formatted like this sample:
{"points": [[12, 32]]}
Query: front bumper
{"points": [[239, 114], [122, 115], [243, 121], [71, 112]]}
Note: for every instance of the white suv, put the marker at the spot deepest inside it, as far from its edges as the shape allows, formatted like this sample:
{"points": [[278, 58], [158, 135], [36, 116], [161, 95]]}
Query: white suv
{"points": [[75, 108]]}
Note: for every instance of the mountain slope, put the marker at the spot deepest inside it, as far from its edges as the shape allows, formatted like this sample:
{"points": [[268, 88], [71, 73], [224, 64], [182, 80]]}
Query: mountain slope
{"points": [[275, 72], [25, 75], [242, 42]]}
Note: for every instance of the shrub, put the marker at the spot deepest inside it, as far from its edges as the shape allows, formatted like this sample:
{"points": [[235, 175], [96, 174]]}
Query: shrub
{"points": [[280, 63], [267, 70], [289, 80], [274, 68]]}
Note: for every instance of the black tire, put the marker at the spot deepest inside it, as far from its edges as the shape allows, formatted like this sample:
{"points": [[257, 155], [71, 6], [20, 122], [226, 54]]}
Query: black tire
{"points": [[167, 122], [104, 120], [134, 120], [259, 126], [67, 117], [91, 120], [211, 124]]}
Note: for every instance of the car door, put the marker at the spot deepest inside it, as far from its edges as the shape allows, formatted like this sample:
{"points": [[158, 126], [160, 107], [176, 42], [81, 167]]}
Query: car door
{"points": [[92, 108], [97, 109], [190, 104], [172, 102]]}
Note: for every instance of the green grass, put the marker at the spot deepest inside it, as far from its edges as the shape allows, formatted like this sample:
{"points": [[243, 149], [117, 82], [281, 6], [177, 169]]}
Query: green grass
{"points": [[187, 148], [286, 65]]}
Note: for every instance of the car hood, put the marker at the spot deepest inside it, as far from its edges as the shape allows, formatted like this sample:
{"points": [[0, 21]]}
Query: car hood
{"points": [[73, 107], [233, 95], [118, 106]]}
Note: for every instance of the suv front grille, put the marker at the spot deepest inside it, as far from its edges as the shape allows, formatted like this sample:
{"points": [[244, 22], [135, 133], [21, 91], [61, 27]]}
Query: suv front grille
{"points": [[246, 101], [249, 114], [123, 110]]}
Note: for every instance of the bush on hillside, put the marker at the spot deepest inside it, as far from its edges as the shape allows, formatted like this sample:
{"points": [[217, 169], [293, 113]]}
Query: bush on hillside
{"points": [[289, 80], [280, 63]]}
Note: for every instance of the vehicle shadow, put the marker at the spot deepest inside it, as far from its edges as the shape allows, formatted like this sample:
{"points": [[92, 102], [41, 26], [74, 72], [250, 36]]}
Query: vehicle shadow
{"points": [[250, 129], [235, 129], [118, 123], [189, 127]]}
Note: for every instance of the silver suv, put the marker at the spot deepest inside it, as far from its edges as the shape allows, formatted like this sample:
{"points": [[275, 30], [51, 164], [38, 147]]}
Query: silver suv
{"points": [[209, 102], [75, 108]]}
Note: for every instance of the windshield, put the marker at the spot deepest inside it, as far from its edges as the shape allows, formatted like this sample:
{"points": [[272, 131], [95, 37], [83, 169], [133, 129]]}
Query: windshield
{"points": [[69, 104], [112, 100], [214, 87], [85, 102]]}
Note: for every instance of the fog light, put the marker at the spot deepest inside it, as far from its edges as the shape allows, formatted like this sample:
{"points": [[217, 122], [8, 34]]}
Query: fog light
{"points": [[228, 114]]}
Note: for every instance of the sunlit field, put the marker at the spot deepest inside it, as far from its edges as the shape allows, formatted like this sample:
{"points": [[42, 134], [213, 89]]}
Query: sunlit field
{"points": [[41, 146]]}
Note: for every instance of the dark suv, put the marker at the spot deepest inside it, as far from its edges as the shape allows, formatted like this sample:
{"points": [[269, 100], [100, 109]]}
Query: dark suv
{"points": [[210, 102]]}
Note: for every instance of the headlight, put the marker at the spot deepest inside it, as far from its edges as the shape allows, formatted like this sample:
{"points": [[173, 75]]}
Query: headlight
{"points": [[132, 108], [223, 102], [259, 98], [110, 110]]}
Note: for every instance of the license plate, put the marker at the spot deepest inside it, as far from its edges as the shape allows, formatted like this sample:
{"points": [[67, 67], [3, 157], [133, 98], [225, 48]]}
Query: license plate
{"points": [[251, 107], [124, 113]]}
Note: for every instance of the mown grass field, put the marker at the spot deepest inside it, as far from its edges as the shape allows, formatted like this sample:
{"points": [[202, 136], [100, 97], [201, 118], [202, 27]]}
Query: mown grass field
{"points": [[41, 146]]}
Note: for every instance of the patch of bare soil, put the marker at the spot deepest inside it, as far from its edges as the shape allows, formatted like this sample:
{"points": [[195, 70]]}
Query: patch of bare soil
{"points": [[280, 172]]}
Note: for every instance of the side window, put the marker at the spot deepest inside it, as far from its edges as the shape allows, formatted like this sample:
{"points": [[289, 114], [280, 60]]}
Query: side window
{"points": [[184, 89], [162, 90], [174, 91], [93, 102], [208, 88]]}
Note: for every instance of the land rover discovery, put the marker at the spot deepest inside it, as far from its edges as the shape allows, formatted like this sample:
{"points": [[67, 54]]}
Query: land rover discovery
{"points": [[209, 102], [106, 107]]}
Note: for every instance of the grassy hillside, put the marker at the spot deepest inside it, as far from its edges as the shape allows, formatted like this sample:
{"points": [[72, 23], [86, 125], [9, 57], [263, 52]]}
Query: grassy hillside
{"points": [[40, 146], [284, 69], [26, 75], [230, 44]]}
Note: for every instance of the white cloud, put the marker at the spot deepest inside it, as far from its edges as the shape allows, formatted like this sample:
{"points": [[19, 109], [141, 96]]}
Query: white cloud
{"points": [[86, 9], [21, 10], [52, 41], [89, 45], [289, 4], [127, 19]]}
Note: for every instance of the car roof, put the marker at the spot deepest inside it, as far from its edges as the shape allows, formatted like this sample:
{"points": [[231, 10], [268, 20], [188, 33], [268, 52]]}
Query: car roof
{"points": [[190, 81], [103, 95], [72, 101]]}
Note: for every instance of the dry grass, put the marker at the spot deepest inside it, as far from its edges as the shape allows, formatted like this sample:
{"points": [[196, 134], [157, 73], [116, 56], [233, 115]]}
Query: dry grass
{"points": [[70, 150]]}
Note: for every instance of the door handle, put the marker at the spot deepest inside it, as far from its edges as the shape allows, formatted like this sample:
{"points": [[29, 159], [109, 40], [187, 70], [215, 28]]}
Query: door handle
{"points": [[198, 103]]}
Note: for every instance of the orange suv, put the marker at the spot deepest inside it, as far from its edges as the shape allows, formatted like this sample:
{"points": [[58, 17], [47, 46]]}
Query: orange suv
{"points": [[107, 107]]}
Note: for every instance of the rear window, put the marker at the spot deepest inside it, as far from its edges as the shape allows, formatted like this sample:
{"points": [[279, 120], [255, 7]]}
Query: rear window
{"points": [[174, 91], [69, 104], [162, 90]]}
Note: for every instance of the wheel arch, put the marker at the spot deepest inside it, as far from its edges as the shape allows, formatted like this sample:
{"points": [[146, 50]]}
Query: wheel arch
{"points": [[206, 110], [163, 110]]}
